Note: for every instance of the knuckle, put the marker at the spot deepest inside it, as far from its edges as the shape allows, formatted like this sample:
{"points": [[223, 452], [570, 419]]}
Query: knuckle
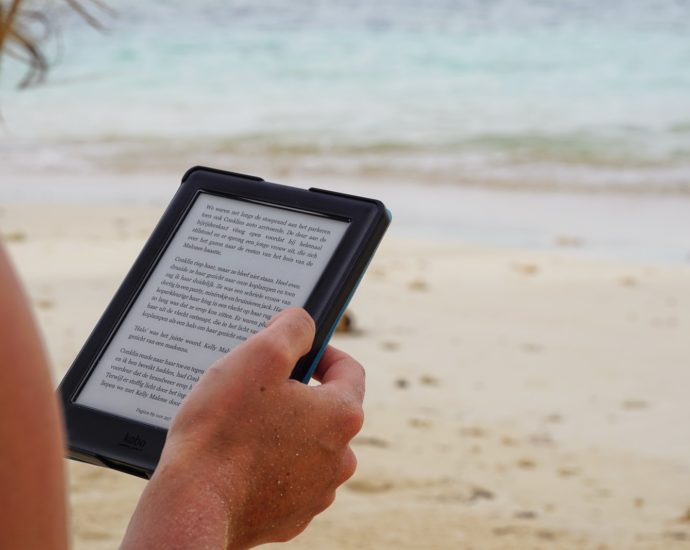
{"points": [[302, 329], [361, 371], [349, 465], [326, 502], [305, 323], [285, 345], [285, 535], [355, 365], [276, 351], [296, 528], [352, 419]]}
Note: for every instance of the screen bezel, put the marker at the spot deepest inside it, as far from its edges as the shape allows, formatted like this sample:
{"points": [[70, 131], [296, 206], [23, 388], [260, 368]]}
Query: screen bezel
{"points": [[113, 439], [156, 262]]}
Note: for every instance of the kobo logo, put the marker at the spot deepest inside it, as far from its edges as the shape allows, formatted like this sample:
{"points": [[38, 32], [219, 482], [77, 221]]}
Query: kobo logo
{"points": [[133, 441]]}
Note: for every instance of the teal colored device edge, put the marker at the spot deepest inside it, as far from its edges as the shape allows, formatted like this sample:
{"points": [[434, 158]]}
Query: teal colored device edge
{"points": [[305, 379], [103, 438]]}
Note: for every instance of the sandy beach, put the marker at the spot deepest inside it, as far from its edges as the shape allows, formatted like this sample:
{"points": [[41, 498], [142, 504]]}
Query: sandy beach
{"points": [[525, 325], [515, 399]]}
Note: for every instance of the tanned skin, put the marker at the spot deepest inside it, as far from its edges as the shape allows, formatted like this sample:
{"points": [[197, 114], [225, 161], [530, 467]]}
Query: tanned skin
{"points": [[32, 498], [251, 456]]}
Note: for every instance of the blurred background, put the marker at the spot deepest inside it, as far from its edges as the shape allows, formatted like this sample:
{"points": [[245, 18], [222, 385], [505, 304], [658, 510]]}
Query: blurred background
{"points": [[525, 326], [578, 97]]}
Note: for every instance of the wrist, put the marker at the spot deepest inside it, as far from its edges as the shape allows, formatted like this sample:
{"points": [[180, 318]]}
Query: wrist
{"points": [[181, 508]]}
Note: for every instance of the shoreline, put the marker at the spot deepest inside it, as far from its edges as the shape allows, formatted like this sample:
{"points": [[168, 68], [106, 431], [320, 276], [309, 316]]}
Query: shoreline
{"points": [[643, 228]]}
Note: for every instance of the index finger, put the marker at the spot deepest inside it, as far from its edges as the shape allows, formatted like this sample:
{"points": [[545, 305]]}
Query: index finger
{"points": [[340, 372]]}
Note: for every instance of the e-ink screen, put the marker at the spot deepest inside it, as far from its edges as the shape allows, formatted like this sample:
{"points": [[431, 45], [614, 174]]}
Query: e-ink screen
{"points": [[231, 265]]}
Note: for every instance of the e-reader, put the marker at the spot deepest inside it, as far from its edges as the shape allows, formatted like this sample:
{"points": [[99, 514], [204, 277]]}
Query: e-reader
{"points": [[229, 252]]}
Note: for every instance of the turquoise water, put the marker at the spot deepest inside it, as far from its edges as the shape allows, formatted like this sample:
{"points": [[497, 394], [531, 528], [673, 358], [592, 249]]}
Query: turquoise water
{"points": [[511, 93]]}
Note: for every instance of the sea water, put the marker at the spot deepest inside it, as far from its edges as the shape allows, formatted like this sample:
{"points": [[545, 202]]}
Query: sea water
{"points": [[513, 92], [571, 95]]}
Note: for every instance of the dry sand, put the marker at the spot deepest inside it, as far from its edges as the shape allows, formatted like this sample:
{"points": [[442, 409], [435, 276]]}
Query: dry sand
{"points": [[515, 399]]}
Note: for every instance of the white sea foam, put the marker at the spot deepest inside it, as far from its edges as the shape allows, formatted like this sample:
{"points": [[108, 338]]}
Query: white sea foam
{"points": [[448, 107], [516, 92]]}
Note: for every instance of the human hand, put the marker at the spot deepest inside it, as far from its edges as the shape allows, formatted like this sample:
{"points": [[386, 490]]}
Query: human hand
{"points": [[252, 456]]}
